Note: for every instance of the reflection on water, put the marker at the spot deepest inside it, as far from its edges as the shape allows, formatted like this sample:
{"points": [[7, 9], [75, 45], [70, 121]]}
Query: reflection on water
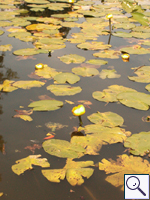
{"points": [[2, 144], [8, 73]]}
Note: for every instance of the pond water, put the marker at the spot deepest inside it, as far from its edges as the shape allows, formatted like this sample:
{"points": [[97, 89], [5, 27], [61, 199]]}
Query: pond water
{"points": [[16, 134]]}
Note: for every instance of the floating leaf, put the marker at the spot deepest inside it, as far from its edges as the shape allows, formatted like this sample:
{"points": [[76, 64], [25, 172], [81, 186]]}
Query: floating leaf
{"points": [[107, 54], [85, 71], [125, 26], [47, 72], [46, 105], [24, 117], [107, 73], [26, 164], [93, 45], [27, 84], [72, 58], [126, 96], [147, 87], [63, 148], [1, 194], [109, 119], [143, 74], [97, 62], [122, 34], [6, 47], [1, 32], [7, 86], [66, 77], [124, 165], [26, 52], [139, 144], [136, 49], [62, 90], [72, 170], [55, 126]]}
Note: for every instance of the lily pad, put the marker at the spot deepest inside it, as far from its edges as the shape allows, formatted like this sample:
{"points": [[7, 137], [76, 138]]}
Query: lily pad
{"points": [[26, 52], [62, 90], [46, 105], [26, 164], [124, 165], [125, 26], [143, 74], [85, 71], [139, 144], [66, 77], [7, 86], [109, 119], [93, 45], [7, 47], [141, 18], [63, 148], [72, 170], [47, 72], [72, 58], [122, 34], [28, 84], [1, 32], [108, 54], [136, 49], [108, 73], [97, 62]]}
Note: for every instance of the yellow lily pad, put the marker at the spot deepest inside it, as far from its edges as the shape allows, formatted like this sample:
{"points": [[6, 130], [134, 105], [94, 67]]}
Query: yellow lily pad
{"points": [[28, 84], [66, 77], [93, 45], [73, 171], [72, 58], [108, 73], [85, 71], [26, 164], [124, 165]]}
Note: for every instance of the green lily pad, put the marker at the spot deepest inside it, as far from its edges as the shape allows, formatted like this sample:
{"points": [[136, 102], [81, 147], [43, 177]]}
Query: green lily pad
{"points": [[66, 77], [72, 58], [46, 105], [143, 74], [139, 144], [93, 45], [109, 119], [140, 35], [26, 52], [137, 100], [141, 18], [26, 164], [85, 71], [63, 149], [73, 171], [122, 34], [125, 26], [63, 90], [109, 73], [136, 49], [108, 54], [27, 84], [97, 62]]}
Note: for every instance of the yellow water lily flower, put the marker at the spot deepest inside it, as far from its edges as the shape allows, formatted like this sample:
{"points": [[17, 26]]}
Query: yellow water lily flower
{"points": [[125, 57], [78, 110], [71, 1], [39, 66], [109, 16]]}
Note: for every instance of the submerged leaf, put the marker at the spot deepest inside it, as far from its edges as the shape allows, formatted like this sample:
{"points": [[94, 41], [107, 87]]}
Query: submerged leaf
{"points": [[7, 47], [54, 126], [62, 90], [124, 165], [26, 164], [46, 105]]}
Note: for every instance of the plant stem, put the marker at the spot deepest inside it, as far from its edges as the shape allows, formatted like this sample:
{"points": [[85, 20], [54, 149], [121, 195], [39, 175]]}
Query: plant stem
{"points": [[110, 25], [80, 120]]}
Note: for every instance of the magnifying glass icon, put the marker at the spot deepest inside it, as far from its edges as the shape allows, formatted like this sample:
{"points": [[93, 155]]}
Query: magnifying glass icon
{"points": [[133, 183]]}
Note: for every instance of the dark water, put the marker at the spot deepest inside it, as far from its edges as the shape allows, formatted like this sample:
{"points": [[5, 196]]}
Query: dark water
{"points": [[16, 134]]}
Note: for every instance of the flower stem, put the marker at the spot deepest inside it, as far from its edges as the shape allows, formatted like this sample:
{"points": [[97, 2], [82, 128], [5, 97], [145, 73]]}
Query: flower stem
{"points": [[80, 120], [110, 25]]}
